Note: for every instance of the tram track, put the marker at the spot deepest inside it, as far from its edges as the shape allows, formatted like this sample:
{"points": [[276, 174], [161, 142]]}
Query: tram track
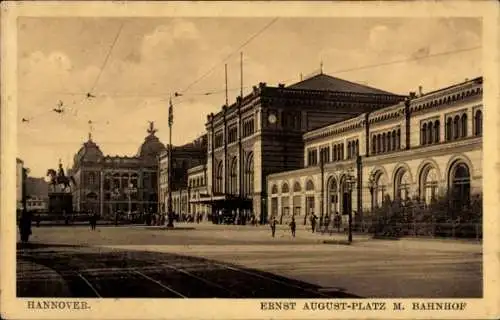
{"points": [[124, 274]]}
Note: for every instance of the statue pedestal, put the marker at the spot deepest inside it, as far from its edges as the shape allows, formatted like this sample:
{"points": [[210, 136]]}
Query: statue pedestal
{"points": [[60, 202]]}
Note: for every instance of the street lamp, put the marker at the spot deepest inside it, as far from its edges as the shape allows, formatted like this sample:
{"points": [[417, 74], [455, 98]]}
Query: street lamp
{"points": [[115, 195], [131, 188], [371, 185], [350, 182]]}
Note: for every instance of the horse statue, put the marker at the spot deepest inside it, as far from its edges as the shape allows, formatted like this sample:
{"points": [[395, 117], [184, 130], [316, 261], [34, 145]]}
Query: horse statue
{"points": [[60, 179]]}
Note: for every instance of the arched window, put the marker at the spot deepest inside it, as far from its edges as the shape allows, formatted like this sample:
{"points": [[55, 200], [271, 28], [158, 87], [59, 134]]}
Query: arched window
{"points": [[341, 157], [393, 140], [463, 127], [91, 178], [335, 153], [460, 186], [357, 148], [349, 151], [274, 189], [284, 188], [296, 187], [107, 183], [478, 123], [423, 135], [379, 189], [218, 178], [449, 131], [436, 131], [398, 139], [233, 179], [249, 175], [333, 197], [401, 184], [379, 143], [430, 131], [388, 141], [374, 144], [456, 127], [429, 180], [383, 142], [309, 185]]}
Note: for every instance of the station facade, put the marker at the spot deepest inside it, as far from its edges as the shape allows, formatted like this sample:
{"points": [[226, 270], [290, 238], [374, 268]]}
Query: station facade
{"points": [[423, 147], [262, 134]]}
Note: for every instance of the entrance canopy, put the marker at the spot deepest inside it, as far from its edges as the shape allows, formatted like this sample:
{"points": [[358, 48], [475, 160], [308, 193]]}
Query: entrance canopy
{"points": [[227, 201]]}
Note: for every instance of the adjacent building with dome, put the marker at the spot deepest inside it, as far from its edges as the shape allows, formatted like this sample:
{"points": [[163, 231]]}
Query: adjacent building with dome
{"points": [[108, 184]]}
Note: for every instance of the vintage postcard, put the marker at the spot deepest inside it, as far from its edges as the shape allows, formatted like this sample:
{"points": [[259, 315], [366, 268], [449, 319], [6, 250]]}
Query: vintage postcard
{"points": [[249, 160]]}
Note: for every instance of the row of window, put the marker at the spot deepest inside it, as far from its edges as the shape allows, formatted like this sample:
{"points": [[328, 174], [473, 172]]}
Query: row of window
{"points": [[386, 142], [248, 177], [232, 133], [219, 140], [197, 182], [456, 126], [459, 177], [248, 127], [312, 157], [352, 149], [430, 132], [324, 154]]}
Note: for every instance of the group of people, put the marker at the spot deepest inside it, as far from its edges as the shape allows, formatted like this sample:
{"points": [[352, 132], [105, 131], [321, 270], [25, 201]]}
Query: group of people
{"points": [[274, 223], [337, 221]]}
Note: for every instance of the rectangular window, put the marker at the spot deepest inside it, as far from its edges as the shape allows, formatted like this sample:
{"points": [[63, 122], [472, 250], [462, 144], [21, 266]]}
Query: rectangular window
{"points": [[248, 127], [232, 134], [312, 157], [219, 139], [325, 154]]}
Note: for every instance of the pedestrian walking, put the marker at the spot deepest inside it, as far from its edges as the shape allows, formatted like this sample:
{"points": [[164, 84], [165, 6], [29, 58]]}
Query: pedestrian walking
{"points": [[337, 221], [37, 218], [25, 226], [313, 222], [293, 227], [273, 224], [94, 221]]}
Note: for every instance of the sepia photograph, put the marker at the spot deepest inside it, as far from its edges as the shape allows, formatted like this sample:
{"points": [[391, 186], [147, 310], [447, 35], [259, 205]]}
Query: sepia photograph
{"points": [[269, 157]]}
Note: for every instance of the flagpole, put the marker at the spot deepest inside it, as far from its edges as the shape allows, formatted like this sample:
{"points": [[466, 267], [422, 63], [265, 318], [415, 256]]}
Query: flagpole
{"points": [[170, 223]]}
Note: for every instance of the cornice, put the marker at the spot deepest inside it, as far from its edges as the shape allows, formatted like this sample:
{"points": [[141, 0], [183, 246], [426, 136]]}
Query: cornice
{"points": [[345, 126], [429, 150], [440, 98], [283, 174]]}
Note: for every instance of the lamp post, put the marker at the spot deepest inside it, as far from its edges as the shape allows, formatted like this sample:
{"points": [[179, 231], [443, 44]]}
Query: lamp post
{"points": [[350, 182], [170, 223], [371, 187], [131, 189]]}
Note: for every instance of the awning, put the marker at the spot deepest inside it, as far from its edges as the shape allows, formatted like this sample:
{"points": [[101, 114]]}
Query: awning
{"points": [[224, 200]]}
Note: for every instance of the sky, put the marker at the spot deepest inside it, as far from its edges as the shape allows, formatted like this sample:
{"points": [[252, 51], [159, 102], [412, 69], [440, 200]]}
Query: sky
{"points": [[132, 66]]}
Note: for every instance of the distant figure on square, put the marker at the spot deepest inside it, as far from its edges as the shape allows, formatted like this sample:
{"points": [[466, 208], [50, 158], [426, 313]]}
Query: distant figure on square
{"points": [[313, 222], [293, 226], [273, 224], [25, 226], [93, 220], [337, 221]]}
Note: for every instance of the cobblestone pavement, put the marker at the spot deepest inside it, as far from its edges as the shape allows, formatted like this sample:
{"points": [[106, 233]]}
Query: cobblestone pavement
{"points": [[244, 261]]}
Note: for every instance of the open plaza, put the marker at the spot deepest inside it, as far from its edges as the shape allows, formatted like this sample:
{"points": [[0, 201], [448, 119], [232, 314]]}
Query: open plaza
{"points": [[233, 257]]}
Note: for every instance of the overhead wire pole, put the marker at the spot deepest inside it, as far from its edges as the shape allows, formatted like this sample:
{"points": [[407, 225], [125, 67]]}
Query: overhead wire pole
{"points": [[170, 223]]}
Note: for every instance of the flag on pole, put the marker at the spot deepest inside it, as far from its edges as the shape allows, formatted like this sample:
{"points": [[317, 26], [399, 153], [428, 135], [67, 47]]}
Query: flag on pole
{"points": [[170, 113]]}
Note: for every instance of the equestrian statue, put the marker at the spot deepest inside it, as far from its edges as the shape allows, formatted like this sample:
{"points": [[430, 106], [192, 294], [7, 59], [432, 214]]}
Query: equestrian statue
{"points": [[60, 179]]}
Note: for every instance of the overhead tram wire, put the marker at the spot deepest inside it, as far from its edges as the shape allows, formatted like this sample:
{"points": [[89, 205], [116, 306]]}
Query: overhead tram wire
{"points": [[221, 91], [105, 62], [227, 57]]}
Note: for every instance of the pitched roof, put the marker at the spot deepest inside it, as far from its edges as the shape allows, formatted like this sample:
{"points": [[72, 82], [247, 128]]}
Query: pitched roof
{"points": [[325, 82]]}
